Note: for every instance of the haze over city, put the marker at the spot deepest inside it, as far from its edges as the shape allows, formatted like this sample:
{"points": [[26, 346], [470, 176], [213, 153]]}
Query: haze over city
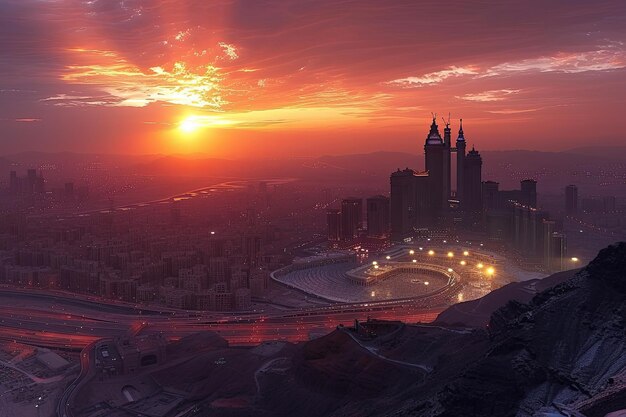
{"points": [[312, 208]]}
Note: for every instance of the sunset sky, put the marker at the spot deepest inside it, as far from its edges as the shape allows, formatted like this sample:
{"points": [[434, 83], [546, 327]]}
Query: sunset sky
{"points": [[235, 78]]}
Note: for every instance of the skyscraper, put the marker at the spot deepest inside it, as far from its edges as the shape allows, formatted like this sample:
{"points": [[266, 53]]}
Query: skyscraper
{"points": [[528, 193], [460, 165], [378, 216], [473, 182], [435, 154], [351, 217], [410, 202], [333, 219], [571, 199], [422, 200]]}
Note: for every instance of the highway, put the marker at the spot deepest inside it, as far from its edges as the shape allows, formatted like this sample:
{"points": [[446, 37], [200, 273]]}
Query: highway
{"points": [[62, 321]]}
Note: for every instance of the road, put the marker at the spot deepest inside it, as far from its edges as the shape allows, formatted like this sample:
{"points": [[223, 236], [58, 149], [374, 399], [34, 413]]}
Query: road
{"points": [[28, 317]]}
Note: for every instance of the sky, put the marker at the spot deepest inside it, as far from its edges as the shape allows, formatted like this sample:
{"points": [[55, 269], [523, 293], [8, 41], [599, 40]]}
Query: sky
{"points": [[243, 78]]}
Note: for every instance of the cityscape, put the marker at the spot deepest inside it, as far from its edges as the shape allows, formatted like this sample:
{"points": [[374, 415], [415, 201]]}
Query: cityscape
{"points": [[283, 208]]}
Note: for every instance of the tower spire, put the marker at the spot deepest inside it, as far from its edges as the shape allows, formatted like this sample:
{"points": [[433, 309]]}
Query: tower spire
{"points": [[461, 135]]}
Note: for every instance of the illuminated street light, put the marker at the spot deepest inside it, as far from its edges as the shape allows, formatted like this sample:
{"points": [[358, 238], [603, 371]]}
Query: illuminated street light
{"points": [[374, 263], [431, 252], [414, 260], [460, 296], [575, 259], [465, 253], [480, 265], [463, 263], [450, 269], [388, 257], [450, 255], [421, 248], [376, 266], [490, 271], [411, 252], [426, 282]]}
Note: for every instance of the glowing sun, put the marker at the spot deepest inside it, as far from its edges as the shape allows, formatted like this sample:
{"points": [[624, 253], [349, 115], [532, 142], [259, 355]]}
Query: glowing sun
{"points": [[189, 125]]}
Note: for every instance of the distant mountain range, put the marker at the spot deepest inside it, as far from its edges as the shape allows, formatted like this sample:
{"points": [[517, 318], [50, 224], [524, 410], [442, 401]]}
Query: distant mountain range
{"points": [[593, 168]]}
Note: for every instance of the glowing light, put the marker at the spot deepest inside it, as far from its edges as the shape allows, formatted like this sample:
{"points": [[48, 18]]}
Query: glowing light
{"points": [[373, 294], [374, 263], [431, 252], [193, 123], [460, 296], [387, 257], [414, 260], [426, 282], [376, 266], [189, 125], [465, 253], [450, 255], [490, 271], [450, 270], [480, 265], [421, 248], [411, 252], [463, 263], [574, 259]]}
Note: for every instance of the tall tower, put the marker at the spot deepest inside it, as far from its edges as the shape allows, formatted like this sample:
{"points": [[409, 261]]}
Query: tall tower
{"points": [[435, 150], [447, 167], [351, 217], [571, 199], [378, 216], [473, 181], [460, 165], [529, 193]]}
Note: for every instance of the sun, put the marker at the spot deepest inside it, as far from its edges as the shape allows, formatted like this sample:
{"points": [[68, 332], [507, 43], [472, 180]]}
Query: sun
{"points": [[189, 125]]}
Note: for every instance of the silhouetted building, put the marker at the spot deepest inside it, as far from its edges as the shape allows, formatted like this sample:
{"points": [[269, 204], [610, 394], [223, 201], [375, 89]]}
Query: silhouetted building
{"points": [[351, 217], [333, 220], [571, 199], [31, 184], [435, 152], [609, 203], [460, 165], [378, 216], [410, 202], [491, 195], [473, 200], [528, 193]]}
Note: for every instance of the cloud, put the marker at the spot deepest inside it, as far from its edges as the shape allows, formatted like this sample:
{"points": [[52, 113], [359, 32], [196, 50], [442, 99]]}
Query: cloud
{"points": [[433, 77], [229, 50], [612, 57], [490, 95], [129, 86], [27, 120], [512, 111], [569, 63]]}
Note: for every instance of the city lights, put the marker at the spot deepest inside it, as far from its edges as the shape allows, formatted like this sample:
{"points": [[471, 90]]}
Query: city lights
{"points": [[463, 263], [450, 254], [411, 252], [490, 271], [431, 252], [480, 265], [465, 253]]}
